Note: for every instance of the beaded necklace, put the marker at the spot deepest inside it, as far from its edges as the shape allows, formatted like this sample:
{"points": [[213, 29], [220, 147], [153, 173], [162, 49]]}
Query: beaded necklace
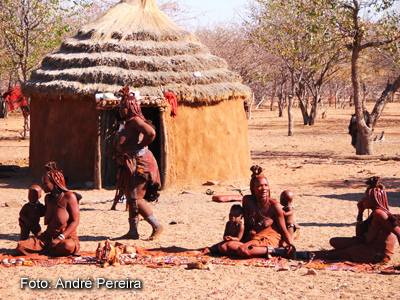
{"points": [[259, 206]]}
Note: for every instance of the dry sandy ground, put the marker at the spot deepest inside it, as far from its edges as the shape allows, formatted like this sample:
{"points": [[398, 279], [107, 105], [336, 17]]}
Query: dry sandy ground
{"points": [[326, 193]]}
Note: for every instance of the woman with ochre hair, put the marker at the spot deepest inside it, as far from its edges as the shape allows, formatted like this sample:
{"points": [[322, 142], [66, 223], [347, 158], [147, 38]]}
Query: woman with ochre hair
{"points": [[138, 174], [264, 223], [375, 237], [61, 217]]}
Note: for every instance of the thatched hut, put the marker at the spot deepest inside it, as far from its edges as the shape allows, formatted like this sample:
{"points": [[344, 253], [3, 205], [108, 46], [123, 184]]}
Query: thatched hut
{"points": [[135, 44]]}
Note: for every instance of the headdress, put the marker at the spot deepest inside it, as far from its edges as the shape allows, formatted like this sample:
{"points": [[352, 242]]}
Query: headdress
{"points": [[58, 179], [257, 175], [131, 103], [376, 193]]}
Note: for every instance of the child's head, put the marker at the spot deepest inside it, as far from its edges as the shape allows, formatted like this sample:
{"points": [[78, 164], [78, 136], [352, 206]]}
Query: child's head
{"points": [[286, 197], [235, 214], [34, 194]]}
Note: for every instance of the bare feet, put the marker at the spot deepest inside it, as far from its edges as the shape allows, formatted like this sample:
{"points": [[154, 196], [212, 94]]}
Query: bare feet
{"points": [[156, 233], [206, 250], [310, 257], [290, 252]]}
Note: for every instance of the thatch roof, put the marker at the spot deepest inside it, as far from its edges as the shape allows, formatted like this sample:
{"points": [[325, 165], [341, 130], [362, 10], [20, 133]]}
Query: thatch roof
{"points": [[135, 44]]}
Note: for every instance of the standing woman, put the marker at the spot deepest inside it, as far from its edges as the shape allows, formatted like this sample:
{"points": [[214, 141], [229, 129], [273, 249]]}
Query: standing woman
{"points": [[61, 217], [264, 223], [138, 174]]}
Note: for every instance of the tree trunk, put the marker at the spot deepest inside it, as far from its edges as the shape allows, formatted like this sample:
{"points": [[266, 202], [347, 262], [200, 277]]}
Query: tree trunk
{"points": [[281, 105], [304, 112], [312, 115], [261, 102], [301, 95], [273, 97], [281, 102], [290, 116], [251, 105], [25, 112], [26, 122], [290, 110], [381, 102], [337, 98], [314, 110], [365, 144]]}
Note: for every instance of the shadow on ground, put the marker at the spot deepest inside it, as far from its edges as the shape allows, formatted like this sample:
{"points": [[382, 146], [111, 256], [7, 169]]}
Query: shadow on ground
{"points": [[10, 237], [7, 251], [389, 183], [267, 155], [314, 224], [20, 179], [91, 238], [393, 197]]}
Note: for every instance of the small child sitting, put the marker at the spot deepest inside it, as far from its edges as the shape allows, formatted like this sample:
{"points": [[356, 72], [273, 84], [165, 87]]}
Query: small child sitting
{"points": [[286, 200], [30, 213], [234, 228]]}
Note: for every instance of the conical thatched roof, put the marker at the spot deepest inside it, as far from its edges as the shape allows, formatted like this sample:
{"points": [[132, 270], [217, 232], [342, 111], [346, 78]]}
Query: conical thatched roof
{"points": [[135, 44]]}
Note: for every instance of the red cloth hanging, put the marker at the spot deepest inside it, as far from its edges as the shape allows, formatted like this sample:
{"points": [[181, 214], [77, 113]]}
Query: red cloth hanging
{"points": [[14, 98], [173, 101]]}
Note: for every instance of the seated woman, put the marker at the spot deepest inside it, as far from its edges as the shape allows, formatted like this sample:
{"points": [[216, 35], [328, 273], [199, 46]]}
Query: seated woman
{"points": [[264, 223], [375, 237], [61, 217]]}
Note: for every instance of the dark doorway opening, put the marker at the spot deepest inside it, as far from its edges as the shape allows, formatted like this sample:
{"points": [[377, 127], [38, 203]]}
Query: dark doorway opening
{"points": [[153, 114], [109, 124]]}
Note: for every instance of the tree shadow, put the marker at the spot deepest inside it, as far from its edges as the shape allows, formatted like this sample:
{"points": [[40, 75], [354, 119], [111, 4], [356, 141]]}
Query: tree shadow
{"points": [[255, 154], [13, 138], [389, 183], [314, 224], [393, 197], [7, 251], [172, 249], [85, 238], [91, 238], [10, 236], [17, 179], [347, 196], [20, 179]]}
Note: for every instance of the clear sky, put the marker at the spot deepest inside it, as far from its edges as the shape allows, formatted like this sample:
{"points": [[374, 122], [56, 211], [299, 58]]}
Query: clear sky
{"points": [[214, 11]]}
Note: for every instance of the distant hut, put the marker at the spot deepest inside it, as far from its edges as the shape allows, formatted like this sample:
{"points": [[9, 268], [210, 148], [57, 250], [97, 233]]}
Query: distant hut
{"points": [[135, 44]]}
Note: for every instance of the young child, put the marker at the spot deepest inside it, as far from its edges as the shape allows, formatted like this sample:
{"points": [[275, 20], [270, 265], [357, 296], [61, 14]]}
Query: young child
{"points": [[234, 228], [30, 213], [286, 200]]}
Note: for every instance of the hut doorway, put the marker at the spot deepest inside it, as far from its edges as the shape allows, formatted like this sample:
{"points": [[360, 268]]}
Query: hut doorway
{"points": [[153, 114], [109, 122]]}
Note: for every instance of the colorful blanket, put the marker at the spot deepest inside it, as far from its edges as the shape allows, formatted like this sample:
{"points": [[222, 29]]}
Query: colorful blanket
{"points": [[176, 256], [14, 98], [319, 264], [136, 259]]}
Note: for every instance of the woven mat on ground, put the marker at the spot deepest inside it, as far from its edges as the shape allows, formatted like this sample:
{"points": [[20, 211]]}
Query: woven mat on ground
{"points": [[176, 256], [319, 264], [392, 270], [156, 257]]}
